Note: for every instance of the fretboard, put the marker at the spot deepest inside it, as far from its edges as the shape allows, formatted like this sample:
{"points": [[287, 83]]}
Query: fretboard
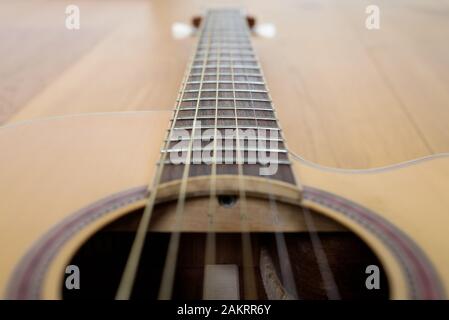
{"points": [[224, 114]]}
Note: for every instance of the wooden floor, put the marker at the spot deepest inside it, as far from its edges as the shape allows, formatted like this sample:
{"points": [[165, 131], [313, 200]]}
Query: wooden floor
{"points": [[346, 97]]}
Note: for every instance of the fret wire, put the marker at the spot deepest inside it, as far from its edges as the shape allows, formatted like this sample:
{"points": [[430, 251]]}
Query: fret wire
{"points": [[240, 52], [227, 82], [200, 139], [173, 150], [262, 105], [233, 49], [228, 39], [233, 137], [241, 66], [228, 108], [249, 70], [236, 50], [249, 65], [227, 137], [243, 61], [244, 78], [225, 90], [230, 127], [229, 117], [225, 160], [219, 38], [225, 117], [229, 74], [213, 56], [235, 65], [227, 60], [223, 99], [220, 98], [228, 45]]}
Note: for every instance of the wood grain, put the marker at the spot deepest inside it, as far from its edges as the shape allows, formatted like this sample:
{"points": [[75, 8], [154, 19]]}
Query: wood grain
{"points": [[346, 97]]}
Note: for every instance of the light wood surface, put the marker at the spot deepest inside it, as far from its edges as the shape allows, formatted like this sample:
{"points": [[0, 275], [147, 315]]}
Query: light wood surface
{"points": [[57, 185], [346, 97]]}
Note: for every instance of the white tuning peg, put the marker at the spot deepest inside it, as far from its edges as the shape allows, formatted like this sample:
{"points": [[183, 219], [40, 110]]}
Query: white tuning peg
{"points": [[181, 30], [266, 30]]}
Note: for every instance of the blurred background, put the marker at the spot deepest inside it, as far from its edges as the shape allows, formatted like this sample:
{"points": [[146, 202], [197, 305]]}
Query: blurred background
{"points": [[332, 80]]}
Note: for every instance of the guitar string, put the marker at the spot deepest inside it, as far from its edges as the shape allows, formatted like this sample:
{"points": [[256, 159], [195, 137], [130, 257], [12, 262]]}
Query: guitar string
{"points": [[168, 275], [285, 265], [128, 278], [249, 281], [286, 269], [330, 285], [210, 256]]}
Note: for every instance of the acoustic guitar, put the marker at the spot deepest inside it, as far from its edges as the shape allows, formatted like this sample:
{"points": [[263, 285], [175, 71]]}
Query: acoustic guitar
{"points": [[207, 201]]}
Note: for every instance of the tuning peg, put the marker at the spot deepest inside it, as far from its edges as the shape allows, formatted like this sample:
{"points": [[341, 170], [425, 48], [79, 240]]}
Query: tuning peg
{"points": [[182, 30], [266, 30], [251, 21], [196, 21]]}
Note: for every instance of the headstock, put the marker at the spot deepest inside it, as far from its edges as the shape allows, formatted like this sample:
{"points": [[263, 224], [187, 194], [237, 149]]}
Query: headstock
{"points": [[184, 30]]}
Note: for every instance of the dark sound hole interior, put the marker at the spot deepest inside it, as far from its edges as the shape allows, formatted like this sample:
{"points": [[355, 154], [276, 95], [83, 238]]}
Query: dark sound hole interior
{"points": [[227, 201], [102, 259]]}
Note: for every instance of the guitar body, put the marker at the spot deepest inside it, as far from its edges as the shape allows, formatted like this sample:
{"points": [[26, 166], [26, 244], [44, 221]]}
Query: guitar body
{"points": [[61, 176], [208, 202]]}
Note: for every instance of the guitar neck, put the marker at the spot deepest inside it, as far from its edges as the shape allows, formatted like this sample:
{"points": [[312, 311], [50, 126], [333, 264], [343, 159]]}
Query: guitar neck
{"points": [[224, 115]]}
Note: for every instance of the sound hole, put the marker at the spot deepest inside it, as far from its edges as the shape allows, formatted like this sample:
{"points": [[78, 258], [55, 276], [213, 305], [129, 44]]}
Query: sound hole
{"points": [[102, 259]]}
